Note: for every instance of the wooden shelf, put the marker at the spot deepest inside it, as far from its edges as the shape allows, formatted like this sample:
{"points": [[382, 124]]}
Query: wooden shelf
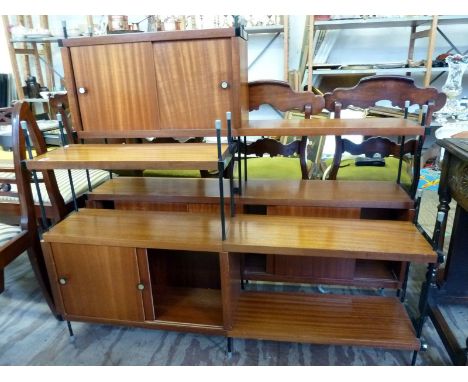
{"points": [[325, 237], [314, 193], [190, 306], [378, 71], [315, 127], [324, 319], [387, 22], [198, 156], [139, 229]]}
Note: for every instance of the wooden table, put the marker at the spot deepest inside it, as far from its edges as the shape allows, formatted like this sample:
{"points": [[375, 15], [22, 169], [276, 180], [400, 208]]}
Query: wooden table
{"points": [[453, 290]]}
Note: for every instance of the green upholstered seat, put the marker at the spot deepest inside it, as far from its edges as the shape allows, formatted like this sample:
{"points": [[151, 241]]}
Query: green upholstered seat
{"points": [[173, 173], [349, 171], [273, 168]]}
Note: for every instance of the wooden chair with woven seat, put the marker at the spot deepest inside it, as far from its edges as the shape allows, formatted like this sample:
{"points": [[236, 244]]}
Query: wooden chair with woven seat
{"points": [[15, 240], [287, 161], [369, 90], [54, 186]]}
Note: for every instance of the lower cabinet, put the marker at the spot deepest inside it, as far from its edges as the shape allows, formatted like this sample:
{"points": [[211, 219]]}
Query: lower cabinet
{"points": [[165, 288]]}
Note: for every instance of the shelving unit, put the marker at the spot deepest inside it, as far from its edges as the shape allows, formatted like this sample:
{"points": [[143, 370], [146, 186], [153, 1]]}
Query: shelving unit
{"points": [[276, 30], [413, 22], [29, 47]]}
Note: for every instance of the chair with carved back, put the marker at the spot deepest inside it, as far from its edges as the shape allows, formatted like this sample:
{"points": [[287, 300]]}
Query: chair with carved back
{"points": [[24, 236], [286, 160], [54, 186], [58, 104], [398, 90]]}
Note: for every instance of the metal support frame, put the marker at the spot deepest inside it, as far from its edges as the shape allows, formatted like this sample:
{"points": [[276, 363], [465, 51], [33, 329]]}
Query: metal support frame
{"points": [[24, 127], [70, 330], [245, 159], [230, 343]]}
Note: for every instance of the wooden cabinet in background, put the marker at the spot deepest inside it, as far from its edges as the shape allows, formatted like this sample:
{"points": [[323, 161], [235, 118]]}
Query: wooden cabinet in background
{"points": [[156, 84]]}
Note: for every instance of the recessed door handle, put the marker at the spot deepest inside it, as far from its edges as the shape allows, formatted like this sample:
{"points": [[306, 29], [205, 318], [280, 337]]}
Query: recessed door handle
{"points": [[140, 286], [224, 84], [82, 90]]}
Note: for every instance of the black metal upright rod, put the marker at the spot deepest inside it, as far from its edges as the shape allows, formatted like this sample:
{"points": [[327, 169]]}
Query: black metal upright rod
{"points": [[245, 158], [220, 178], [231, 173], [24, 127]]}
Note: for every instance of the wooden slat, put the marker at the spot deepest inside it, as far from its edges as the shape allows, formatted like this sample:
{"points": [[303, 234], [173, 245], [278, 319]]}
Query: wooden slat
{"points": [[199, 156], [328, 237], [311, 193], [140, 229], [325, 319], [315, 127]]}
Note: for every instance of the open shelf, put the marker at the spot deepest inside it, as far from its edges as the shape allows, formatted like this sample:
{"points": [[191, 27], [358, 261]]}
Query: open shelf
{"points": [[191, 306], [376, 321], [186, 288]]}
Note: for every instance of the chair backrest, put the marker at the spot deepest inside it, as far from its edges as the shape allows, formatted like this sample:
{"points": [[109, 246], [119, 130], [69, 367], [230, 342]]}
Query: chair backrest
{"points": [[58, 104], [5, 114], [59, 208], [365, 94], [27, 237], [280, 96]]}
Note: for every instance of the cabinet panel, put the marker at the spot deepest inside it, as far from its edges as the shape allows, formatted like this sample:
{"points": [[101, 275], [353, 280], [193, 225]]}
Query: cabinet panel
{"points": [[189, 76], [98, 281], [119, 87]]}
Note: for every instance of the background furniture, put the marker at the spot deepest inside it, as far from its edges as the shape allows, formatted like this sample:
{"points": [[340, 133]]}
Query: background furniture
{"points": [[156, 84], [15, 240], [453, 287]]}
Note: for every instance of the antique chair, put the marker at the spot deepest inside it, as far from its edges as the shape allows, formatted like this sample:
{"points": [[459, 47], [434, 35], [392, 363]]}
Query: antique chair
{"points": [[285, 161], [365, 94], [55, 189], [16, 239]]}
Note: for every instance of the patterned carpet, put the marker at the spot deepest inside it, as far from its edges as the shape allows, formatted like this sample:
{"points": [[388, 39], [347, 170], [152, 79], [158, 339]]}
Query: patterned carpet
{"points": [[29, 335]]}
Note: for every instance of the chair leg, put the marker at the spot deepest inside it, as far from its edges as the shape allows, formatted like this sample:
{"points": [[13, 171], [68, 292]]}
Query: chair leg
{"points": [[38, 265], [2, 280]]}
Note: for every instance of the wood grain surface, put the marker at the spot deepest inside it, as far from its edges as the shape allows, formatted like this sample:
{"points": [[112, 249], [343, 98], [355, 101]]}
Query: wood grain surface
{"points": [[188, 79], [315, 127], [120, 83], [324, 319], [139, 229], [101, 281], [199, 156], [288, 193], [347, 238]]}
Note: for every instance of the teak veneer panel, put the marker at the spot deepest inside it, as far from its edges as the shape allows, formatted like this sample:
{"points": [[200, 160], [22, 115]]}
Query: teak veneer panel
{"points": [[197, 156], [299, 193], [139, 229], [119, 80], [314, 127], [328, 237], [324, 319], [101, 281], [188, 73]]}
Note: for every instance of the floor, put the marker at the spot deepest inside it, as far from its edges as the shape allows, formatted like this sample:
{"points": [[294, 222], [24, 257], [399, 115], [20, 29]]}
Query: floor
{"points": [[29, 335]]}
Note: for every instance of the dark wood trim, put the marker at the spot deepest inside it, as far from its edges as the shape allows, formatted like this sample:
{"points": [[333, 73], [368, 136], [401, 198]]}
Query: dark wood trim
{"points": [[145, 279]]}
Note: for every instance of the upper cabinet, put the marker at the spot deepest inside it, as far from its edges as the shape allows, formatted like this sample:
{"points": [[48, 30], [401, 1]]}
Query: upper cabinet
{"points": [[156, 84]]}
